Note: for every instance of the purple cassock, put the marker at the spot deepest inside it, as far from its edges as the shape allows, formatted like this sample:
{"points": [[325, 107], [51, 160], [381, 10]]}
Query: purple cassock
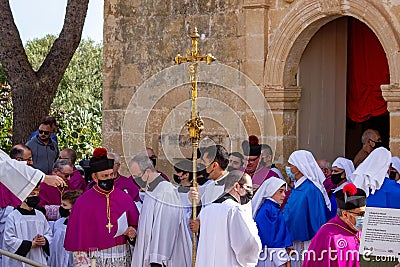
{"points": [[128, 186], [329, 186], [262, 174], [87, 224], [50, 195], [7, 198], [334, 245], [77, 181]]}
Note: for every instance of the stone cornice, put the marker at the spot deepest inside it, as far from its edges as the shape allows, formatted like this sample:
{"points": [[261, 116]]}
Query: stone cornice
{"points": [[256, 4], [391, 93], [280, 98]]}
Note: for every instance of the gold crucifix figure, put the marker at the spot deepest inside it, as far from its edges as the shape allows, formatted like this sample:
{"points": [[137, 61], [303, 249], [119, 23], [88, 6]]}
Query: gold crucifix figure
{"points": [[109, 226], [195, 124]]}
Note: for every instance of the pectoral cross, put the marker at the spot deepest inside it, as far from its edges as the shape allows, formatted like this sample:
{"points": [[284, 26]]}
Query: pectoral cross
{"points": [[195, 124], [109, 226]]}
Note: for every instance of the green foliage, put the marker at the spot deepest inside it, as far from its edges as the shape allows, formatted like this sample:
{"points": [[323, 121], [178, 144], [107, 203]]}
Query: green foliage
{"points": [[5, 113], [77, 105]]}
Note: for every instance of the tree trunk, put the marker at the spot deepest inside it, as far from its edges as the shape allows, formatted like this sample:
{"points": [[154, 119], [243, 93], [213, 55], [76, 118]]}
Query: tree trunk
{"points": [[33, 92]]}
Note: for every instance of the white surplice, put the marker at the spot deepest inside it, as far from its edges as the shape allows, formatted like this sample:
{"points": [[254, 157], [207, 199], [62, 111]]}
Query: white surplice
{"points": [[228, 236], [58, 255], [25, 227], [162, 235], [18, 177]]}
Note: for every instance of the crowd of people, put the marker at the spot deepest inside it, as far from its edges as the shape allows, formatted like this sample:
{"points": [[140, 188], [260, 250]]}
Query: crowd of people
{"points": [[249, 213]]}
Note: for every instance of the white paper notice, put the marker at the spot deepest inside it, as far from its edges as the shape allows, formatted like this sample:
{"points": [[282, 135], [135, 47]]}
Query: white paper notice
{"points": [[381, 232], [122, 224]]}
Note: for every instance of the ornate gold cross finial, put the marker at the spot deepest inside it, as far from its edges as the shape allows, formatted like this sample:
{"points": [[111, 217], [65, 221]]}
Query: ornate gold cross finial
{"points": [[195, 124]]}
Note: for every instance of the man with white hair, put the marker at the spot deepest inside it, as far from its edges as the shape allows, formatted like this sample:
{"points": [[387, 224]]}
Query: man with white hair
{"points": [[308, 205], [326, 168], [162, 238], [342, 169], [372, 176], [371, 139]]}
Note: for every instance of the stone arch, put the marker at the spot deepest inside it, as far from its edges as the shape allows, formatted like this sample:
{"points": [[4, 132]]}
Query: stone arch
{"points": [[307, 17]]}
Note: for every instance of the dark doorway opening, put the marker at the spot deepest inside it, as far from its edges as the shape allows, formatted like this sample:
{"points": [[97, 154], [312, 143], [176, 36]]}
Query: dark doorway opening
{"points": [[367, 70], [354, 131]]}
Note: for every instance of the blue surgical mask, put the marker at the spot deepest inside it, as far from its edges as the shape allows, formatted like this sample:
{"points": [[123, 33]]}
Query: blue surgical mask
{"points": [[289, 173], [359, 222]]}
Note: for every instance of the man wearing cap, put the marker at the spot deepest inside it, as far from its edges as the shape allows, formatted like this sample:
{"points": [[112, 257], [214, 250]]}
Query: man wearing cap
{"points": [[98, 215], [338, 241], [252, 162]]}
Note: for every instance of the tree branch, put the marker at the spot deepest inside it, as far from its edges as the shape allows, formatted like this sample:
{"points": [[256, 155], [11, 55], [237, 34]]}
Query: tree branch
{"points": [[66, 44], [12, 53]]}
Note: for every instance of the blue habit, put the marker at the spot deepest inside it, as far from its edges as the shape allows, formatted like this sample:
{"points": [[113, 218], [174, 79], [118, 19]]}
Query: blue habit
{"points": [[271, 226], [388, 196], [305, 211], [333, 206]]}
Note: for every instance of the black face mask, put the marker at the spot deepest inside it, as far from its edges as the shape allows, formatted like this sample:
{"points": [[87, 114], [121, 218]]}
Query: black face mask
{"points": [[246, 198], [392, 175], [106, 185], [139, 181], [154, 161], [32, 201], [177, 179], [336, 178], [378, 144], [63, 212]]}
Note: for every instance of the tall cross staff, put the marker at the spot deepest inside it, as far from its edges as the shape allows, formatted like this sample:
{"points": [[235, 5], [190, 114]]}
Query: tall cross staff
{"points": [[195, 124]]}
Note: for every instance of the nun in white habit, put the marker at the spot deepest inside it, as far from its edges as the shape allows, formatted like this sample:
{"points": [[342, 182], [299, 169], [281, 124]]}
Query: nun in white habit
{"points": [[308, 205], [371, 173], [372, 176], [342, 169], [272, 229]]}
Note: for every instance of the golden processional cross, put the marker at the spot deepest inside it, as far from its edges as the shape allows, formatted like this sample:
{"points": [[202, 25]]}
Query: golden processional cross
{"points": [[195, 124]]}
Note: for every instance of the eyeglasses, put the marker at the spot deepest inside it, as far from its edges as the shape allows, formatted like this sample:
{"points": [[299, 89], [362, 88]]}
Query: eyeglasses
{"points": [[44, 132], [66, 175], [361, 213], [246, 187], [378, 141]]}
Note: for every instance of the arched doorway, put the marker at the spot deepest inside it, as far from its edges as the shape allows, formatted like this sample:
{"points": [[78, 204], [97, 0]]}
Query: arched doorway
{"points": [[286, 48], [340, 74]]}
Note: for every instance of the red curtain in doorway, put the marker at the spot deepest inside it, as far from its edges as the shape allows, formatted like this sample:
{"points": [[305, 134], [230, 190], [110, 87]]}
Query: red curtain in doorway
{"points": [[367, 71]]}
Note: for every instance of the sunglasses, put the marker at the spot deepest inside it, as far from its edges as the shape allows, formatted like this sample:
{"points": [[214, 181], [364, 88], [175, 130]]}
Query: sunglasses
{"points": [[44, 132]]}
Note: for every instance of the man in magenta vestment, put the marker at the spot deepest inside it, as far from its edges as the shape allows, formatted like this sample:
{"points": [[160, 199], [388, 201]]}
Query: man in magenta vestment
{"points": [[97, 216], [337, 242], [252, 164]]}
